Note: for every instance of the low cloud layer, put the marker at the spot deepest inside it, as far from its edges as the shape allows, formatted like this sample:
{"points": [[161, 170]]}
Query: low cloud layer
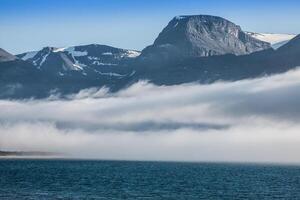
{"points": [[252, 120]]}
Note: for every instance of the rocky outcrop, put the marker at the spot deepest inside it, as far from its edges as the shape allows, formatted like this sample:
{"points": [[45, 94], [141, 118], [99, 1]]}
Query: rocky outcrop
{"points": [[202, 36]]}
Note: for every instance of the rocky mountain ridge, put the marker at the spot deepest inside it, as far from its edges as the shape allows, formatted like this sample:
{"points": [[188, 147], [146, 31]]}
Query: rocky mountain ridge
{"points": [[202, 36], [200, 49]]}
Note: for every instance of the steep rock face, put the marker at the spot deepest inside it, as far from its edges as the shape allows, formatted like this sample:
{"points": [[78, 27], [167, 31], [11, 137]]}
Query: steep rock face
{"points": [[202, 36]]}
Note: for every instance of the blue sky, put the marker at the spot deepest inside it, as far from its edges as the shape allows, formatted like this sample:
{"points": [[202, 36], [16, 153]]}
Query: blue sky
{"points": [[27, 25]]}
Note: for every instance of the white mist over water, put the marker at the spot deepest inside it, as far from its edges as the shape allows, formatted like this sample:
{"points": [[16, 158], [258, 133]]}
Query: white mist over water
{"points": [[252, 120]]}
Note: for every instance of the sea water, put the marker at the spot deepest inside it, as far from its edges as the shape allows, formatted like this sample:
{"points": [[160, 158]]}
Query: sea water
{"points": [[82, 179]]}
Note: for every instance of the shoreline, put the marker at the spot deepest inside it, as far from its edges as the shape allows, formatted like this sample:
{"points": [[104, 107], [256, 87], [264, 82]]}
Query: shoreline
{"points": [[64, 157], [21, 154]]}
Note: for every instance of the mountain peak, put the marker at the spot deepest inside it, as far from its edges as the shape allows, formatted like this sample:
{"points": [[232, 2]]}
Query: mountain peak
{"points": [[202, 36], [83, 59], [201, 17]]}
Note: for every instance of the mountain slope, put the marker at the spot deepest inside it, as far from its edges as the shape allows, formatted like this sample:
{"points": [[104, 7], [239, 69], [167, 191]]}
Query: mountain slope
{"points": [[84, 59], [226, 67], [292, 47], [217, 50], [289, 54], [5, 56], [61, 71], [276, 40]]}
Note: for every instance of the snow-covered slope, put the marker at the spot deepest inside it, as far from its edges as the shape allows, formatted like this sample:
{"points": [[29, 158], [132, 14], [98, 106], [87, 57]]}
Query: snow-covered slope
{"points": [[88, 60], [276, 40], [78, 57]]}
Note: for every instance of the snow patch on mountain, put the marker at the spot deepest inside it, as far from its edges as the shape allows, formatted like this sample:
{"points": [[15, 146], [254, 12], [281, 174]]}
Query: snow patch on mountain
{"points": [[110, 74], [180, 17], [59, 49], [272, 38], [29, 55], [69, 65], [75, 53], [43, 59], [131, 54], [103, 64], [276, 40], [70, 50], [280, 44], [107, 54]]}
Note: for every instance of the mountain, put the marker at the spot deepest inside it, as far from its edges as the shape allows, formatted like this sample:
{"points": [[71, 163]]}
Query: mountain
{"points": [[201, 49], [202, 36], [276, 40], [227, 67], [5, 56], [66, 70], [288, 55], [18, 79], [83, 59], [207, 49], [292, 47]]}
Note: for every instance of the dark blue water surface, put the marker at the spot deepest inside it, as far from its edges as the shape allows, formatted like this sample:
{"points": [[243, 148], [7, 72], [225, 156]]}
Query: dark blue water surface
{"points": [[70, 179]]}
